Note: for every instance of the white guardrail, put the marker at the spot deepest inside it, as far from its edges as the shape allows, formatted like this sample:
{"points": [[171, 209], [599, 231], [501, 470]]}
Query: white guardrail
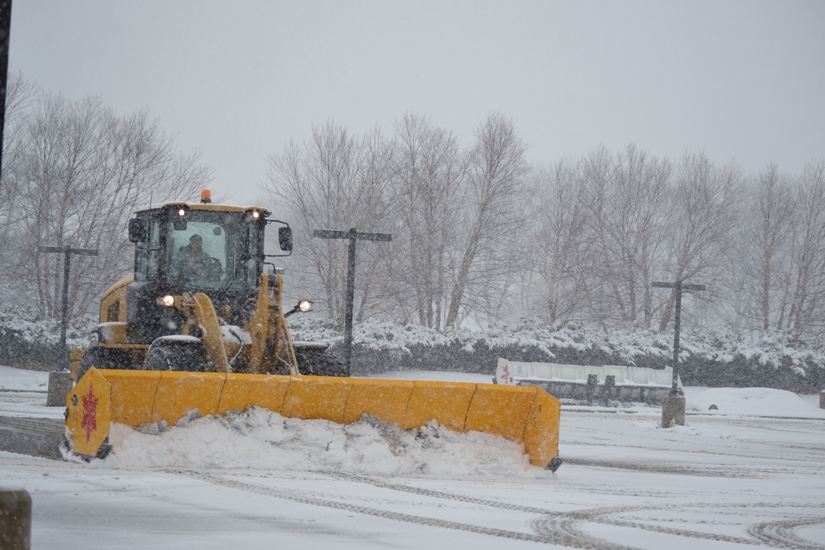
{"points": [[513, 372], [632, 383]]}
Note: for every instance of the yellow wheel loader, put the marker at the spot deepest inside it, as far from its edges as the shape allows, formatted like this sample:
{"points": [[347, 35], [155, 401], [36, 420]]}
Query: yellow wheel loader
{"points": [[200, 325]]}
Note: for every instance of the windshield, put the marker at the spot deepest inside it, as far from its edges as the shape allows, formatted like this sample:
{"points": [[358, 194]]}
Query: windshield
{"points": [[212, 251]]}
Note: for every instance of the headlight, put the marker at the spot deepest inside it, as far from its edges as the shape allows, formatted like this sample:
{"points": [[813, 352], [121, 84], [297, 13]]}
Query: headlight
{"points": [[167, 300]]}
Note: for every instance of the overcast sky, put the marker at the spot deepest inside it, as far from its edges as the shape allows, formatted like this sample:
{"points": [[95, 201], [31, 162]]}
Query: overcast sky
{"points": [[740, 80]]}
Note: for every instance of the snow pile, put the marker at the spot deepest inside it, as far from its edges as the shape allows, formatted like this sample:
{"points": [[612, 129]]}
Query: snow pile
{"points": [[261, 439], [19, 380], [750, 402]]}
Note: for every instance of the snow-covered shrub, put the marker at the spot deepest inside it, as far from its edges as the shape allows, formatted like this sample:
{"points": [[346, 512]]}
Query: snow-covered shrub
{"points": [[707, 358], [30, 342]]}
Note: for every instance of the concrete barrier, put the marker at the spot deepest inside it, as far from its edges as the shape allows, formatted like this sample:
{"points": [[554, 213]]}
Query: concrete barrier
{"points": [[15, 520], [60, 383], [673, 411]]}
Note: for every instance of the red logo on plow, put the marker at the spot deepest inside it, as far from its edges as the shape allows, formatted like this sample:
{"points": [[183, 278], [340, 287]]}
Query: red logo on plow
{"points": [[89, 423], [505, 373]]}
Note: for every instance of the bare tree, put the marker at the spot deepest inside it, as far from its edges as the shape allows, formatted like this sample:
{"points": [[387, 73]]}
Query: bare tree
{"points": [[604, 297], [583, 240], [19, 95], [805, 312], [81, 172], [560, 242], [704, 214], [494, 219], [625, 198], [429, 175], [766, 230], [641, 189], [335, 181]]}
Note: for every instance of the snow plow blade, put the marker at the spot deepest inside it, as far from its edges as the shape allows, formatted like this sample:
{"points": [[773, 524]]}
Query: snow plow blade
{"points": [[527, 415]]}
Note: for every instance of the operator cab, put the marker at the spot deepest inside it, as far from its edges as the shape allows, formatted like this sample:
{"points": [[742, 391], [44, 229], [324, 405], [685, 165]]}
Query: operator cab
{"points": [[193, 249], [181, 247]]}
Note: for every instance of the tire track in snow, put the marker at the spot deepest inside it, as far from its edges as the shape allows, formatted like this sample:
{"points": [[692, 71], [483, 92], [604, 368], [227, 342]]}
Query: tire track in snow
{"points": [[376, 482], [768, 533], [553, 524], [560, 528], [583, 542], [782, 534], [686, 469], [570, 524], [778, 533]]}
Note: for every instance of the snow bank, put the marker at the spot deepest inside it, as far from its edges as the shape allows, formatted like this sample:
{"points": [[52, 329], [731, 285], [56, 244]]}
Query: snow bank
{"points": [[23, 380], [751, 402], [261, 439]]}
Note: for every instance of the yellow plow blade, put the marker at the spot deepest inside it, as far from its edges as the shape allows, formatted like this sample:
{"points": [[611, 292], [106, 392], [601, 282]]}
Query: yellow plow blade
{"points": [[527, 415]]}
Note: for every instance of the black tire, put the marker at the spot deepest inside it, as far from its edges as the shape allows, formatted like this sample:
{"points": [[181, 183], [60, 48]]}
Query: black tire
{"points": [[176, 355], [104, 358], [315, 362]]}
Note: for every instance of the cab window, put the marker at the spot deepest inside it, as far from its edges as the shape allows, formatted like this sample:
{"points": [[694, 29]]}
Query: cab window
{"points": [[147, 253]]}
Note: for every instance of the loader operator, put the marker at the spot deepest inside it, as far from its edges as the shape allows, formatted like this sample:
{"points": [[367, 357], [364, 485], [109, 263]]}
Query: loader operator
{"points": [[195, 263]]}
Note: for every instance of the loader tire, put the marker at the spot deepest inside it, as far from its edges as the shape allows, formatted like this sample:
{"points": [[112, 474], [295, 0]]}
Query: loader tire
{"points": [[319, 363], [176, 355], [104, 358]]}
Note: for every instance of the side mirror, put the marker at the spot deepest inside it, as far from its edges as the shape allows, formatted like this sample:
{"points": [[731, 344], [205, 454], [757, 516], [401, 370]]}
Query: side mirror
{"points": [[285, 238], [138, 230]]}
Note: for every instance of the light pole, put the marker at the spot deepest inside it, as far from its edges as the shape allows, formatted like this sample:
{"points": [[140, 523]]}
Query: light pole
{"points": [[353, 236], [67, 252], [60, 383], [679, 286], [5, 26], [673, 408]]}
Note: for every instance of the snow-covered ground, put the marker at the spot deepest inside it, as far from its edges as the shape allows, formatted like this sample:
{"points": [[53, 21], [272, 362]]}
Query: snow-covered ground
{"points": [[748, 473]]}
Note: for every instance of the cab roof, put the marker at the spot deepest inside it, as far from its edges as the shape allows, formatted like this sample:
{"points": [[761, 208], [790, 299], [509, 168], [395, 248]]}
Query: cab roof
{"points": [[211, 207]]}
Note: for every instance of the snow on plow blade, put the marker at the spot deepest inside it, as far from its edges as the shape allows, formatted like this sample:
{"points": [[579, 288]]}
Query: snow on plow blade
{"points": [[527, 415]]}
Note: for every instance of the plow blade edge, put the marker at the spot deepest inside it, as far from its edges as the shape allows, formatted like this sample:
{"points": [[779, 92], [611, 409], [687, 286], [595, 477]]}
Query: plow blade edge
{"points": [[525, 414]]}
